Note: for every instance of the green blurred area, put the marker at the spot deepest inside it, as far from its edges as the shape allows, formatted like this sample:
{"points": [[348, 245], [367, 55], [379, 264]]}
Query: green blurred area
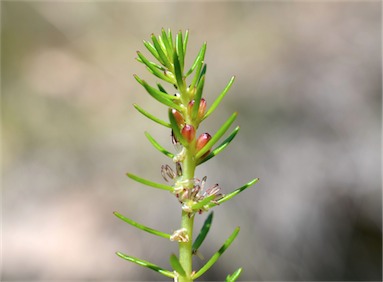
{"points": [[308, 91]]}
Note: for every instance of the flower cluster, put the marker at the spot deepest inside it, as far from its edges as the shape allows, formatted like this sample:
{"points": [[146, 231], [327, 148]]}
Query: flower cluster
{"points": [[192, 193]]}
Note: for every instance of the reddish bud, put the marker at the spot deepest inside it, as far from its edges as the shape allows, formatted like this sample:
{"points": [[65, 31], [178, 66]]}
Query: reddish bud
{"points": [[188, 132], [202, 141], [201, 109], [179, 118]]}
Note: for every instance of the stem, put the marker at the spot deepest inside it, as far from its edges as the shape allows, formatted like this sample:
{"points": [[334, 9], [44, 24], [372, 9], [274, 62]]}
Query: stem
{"points": [[187, 221]]}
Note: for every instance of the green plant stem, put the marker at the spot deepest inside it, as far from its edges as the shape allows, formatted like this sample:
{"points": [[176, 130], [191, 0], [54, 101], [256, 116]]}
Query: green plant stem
{"points": [[187, 220]]}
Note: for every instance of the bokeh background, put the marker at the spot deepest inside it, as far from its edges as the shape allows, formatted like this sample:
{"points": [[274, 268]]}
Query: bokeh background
{"points": [[308, 91]]}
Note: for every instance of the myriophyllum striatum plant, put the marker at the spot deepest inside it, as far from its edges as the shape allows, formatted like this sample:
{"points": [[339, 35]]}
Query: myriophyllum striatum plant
{"points": [[187, 108]]}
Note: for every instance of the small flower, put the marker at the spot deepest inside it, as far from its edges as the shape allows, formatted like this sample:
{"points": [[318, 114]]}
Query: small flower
{"points": [[180, 235], [201, 108], [188, 132], [167, 172]]}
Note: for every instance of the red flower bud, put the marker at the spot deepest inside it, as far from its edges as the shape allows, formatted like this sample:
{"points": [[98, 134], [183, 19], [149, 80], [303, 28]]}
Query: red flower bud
{"points": [[201, 109], [188, 132], [179, 118], [202, 141]]}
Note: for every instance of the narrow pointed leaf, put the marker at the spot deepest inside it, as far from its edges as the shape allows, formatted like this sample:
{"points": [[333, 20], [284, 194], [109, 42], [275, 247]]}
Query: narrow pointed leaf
{"points": [[161, 88], [176, 129], [147, 264], [154, 69], [186, 38], [178, 72], [150, 116], [202, 74], [158, 95], [163, 59], [221, 147], [142, 227], [158, 146], [150, 183], [233, 277], [219, 99], [170, 38], [180, 49], [217, 135], [197, 98], [216, 256], [234, 193], [198, 60], [202, 234], [175, 263], [204, 202], [152, 50], [165, 40], [197, 74]]}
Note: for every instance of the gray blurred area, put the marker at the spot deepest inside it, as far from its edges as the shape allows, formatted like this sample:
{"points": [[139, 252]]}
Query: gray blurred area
{"points": [[308, 91]]}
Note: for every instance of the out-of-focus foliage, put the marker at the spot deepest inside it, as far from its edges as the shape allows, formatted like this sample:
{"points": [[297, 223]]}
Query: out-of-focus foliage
{"points": [[308, 89]]}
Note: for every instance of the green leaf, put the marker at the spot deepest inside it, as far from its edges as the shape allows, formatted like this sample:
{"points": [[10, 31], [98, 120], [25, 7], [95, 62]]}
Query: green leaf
{"points": [[219, 99], [142, 227], [202, 234], [158, 95], [197, 98], [150, 183], [221, 147], [154, 69], [161, 88], [158, 146], [180, 49], [170, 38], [175, 263], [233, 277], [176, 129], [163, 59], [186, 38], [204, 202], [152, 50], [150, 116], [234, 193], [178, 72], [198, 60], [165, 40], [217, 136], [216, 256], [147, 264]]}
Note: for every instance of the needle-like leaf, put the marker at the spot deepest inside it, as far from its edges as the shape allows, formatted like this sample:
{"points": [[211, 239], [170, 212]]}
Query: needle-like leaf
{"points": [[150, 116], [158, 146], [164, 60], [234, 193], [161, 97], [221, 147], [200, 57], [186, 38], [202, 234], [217, 136], [150, 183], [216, 256], [142, 227], [233, 277], [178, 72], [165, 40], [152, 50], [154, 69], [219, 99], [147, 264], [180, 49], [175, 263]]}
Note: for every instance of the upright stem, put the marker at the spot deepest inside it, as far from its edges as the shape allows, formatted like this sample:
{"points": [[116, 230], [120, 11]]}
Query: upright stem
{"points": [[185, 249]]}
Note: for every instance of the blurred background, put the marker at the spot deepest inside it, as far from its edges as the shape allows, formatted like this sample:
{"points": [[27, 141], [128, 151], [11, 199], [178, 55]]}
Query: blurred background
{"points": [[308, 91]]}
